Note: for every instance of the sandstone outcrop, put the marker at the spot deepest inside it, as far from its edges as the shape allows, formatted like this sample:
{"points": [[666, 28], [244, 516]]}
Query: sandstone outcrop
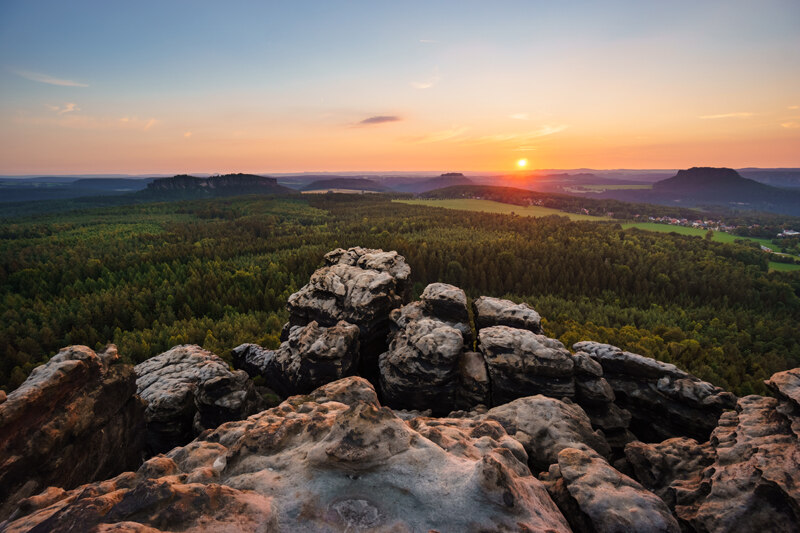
{"points": [[311, 357], [187, 390], [360, 286], [75, 419], [663, 401], [334, 460], [596, 497], [491, 311]]}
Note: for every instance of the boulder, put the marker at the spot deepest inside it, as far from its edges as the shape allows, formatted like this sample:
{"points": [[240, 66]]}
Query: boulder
{"points": [[448, 304], [786, 385], [75, 419], [595, 497], [311, 357], [491, 311], [189, 390], [522, 363], [664, 402], [334, 460], [473, 381], [545, 426]]}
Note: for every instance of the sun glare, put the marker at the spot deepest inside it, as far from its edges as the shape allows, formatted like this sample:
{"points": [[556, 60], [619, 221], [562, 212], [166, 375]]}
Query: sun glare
{"points": [[522, 163]]}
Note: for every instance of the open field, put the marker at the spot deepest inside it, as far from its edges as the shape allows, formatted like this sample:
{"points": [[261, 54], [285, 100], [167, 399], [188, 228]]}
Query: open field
{"points": [[488, 206], [621, 187], [783, 267]]}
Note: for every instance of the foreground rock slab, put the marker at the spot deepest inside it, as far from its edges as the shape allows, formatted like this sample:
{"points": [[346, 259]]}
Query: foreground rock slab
{"points": [[75, 419], [334, 460], [189, 390]]}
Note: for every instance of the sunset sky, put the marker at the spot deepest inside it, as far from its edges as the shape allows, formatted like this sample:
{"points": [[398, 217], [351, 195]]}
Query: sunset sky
{"points": [[193, 86]]}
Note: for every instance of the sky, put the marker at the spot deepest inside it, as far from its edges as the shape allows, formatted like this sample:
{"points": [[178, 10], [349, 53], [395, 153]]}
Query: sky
{"points": [[304, 86]]}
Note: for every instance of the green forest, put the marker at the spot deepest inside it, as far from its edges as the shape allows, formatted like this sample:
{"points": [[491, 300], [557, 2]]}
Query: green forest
{"points": [[218, 273]]}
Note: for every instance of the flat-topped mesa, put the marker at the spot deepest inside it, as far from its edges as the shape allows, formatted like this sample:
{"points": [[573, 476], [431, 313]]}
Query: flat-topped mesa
{"points": [[76, 419], [663, 400], [188, 390], [491, 311], [360, 286], [311, 357]]}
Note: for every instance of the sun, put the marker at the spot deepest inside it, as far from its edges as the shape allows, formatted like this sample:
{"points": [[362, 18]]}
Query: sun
{"points": [[522, 163]]}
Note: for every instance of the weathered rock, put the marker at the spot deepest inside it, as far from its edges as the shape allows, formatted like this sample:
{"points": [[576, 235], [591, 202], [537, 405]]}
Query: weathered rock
{"points": [[491, 311], [75, 419], [545, 426], [2, 396], [188, 390], [596, 497], [420, 369], [672, 469], [664, 402], [754, 481], [315, 463], [448, 304], [473, 386], [522, 363], [786, 385], [311, 357], [360, 286]]}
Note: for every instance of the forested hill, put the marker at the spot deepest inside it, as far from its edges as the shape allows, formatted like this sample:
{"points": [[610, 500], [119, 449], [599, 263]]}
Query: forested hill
{"points": [[225, 185], [218, 273]]}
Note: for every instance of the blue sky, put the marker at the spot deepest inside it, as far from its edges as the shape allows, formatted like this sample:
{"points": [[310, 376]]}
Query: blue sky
{"points": [[177, 85]]}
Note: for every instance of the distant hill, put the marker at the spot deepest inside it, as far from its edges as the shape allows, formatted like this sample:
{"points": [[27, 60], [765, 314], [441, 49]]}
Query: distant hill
{"points": [[58, 188], [355, 184], [226, 185], [450, 179], [707, 186]]}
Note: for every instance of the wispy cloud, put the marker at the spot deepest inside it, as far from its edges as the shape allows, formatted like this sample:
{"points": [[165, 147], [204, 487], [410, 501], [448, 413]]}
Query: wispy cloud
{"points": [[520, 116], [44, 78], [438, 136], [66, 108], [728, 115], [790, 125], [428, 41], [379, 119], [544, 131], [793, 107], [430, 82], [150, 123], [187, 134]]}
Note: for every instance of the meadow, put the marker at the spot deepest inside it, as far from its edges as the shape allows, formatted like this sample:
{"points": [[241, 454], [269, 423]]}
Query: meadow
{"points": [[489, 206]]}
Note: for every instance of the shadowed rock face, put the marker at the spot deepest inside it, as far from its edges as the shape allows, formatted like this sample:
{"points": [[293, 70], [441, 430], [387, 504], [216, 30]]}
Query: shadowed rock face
{"points": [[663, 401], [75, 419], [334, 460], [522, 363], [311, 357], [188, 390]]}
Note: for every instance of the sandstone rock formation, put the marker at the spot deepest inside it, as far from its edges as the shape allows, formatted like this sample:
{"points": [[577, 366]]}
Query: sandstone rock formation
{"points": [[596, 497], [663, 401], [311, 357], [360, 286], [187, 390], [75, 419], [334, 460], [491, 311]]}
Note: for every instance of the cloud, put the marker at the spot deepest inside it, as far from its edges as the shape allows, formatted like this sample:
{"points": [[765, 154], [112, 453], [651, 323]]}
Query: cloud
{"points": [[187, 134], [150, 123], [729, 115], [428, 41], [520, 116], [790, 125], [438, 136], [544, 131], [379, 119], [793, 107], [44, 78], [430, 82]]}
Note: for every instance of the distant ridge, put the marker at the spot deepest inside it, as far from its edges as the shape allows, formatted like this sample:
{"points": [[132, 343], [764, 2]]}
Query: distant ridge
{"points": [[450, 179], [355, 184], [225, 185]]}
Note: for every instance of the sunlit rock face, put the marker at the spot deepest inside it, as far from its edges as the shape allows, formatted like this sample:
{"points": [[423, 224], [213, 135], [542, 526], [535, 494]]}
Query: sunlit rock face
{"points": [[491, 311], [75, 419], [188, 390], [334, 460]]}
